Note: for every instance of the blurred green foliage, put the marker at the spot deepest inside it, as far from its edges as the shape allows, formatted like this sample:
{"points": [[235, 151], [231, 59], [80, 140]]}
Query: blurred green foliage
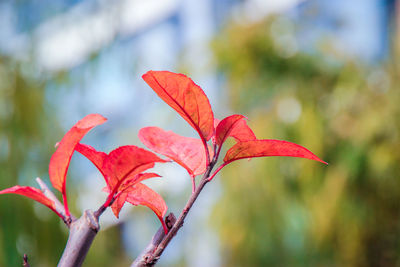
{"points": [[28, 132], [295, 212], [25, 227]]}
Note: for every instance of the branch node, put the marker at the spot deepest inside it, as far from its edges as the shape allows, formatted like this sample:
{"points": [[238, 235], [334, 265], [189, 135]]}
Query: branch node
{"points": [[58, 206], [25, 262], [92, 221], [170, 220]]}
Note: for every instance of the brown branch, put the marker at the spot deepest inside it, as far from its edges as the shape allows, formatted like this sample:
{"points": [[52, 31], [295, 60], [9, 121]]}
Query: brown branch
{"points": [[152, 259], [25, 263], [142, 259], [100, 211], [58, 206], [103, 207], [81, 235]]}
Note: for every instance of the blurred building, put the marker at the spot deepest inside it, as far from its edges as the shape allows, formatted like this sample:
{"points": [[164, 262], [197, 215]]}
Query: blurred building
{"points": [[361, 29]]}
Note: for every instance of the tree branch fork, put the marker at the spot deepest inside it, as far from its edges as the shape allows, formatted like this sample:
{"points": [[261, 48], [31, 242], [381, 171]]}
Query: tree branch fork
{"points": [[150, 257], [83, 230]]}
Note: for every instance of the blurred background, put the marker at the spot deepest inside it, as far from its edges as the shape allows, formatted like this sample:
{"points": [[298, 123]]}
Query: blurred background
{"points": [[319, 73]]}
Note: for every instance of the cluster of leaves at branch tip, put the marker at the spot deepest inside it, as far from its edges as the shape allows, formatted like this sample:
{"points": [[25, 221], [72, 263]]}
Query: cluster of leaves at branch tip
{"points": [[124, 168]]}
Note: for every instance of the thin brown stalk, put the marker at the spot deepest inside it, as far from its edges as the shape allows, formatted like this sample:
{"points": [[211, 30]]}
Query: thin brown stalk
{"points": [[25, 263], [58, 205], [142, 259], [152, 259]]}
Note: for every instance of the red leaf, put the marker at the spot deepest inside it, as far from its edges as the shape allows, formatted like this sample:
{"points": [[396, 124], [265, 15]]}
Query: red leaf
{"points": [[137, 179], [125, 162], [125, 188], [96, 157], [60, 160], [186, 151], [213, 138], [225, 128], [216, 122], [186, 97], [32, 193], [118, 203], [242, 132], [266, 148], [140, 194], [117, 182]]}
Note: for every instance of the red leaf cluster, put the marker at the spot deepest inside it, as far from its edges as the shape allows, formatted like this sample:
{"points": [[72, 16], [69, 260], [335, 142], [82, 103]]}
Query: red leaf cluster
{"points": [[189, 100], [59, 164], [122, 170]]}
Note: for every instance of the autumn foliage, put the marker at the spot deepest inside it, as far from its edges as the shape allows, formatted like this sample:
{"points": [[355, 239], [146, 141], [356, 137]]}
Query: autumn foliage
{"points": [[189, 100], [125, 167], [122, 170]]}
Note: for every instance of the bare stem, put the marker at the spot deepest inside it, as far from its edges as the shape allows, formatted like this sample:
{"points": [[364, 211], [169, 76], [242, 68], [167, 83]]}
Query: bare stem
{"points": [[25, 263], [58, 206], [81, 235], [208, 160], [152, 258], [65, 201], [193, 178], [109, 202], [141, 260], [216, 171]]}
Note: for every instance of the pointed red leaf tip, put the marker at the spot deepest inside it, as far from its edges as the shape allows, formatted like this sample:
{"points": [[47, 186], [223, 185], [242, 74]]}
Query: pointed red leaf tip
{"points": [[118, 203], [140, 194], [60, 160], [186, 151], [225, 127], [242, 132], [32, 193], [216, 122], [186, 97], [234, 126], [125, 162], [98, 158], [266, 148]]}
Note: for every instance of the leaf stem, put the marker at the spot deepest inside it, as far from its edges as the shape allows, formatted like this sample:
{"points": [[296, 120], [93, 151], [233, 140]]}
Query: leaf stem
{"points": [[153, 258], [109, 199], [103, 207], [65, 201], [192, 177], [155, 241], [206, 150], [218, 151], [216, 171], [59, 208], [25, 262]]}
